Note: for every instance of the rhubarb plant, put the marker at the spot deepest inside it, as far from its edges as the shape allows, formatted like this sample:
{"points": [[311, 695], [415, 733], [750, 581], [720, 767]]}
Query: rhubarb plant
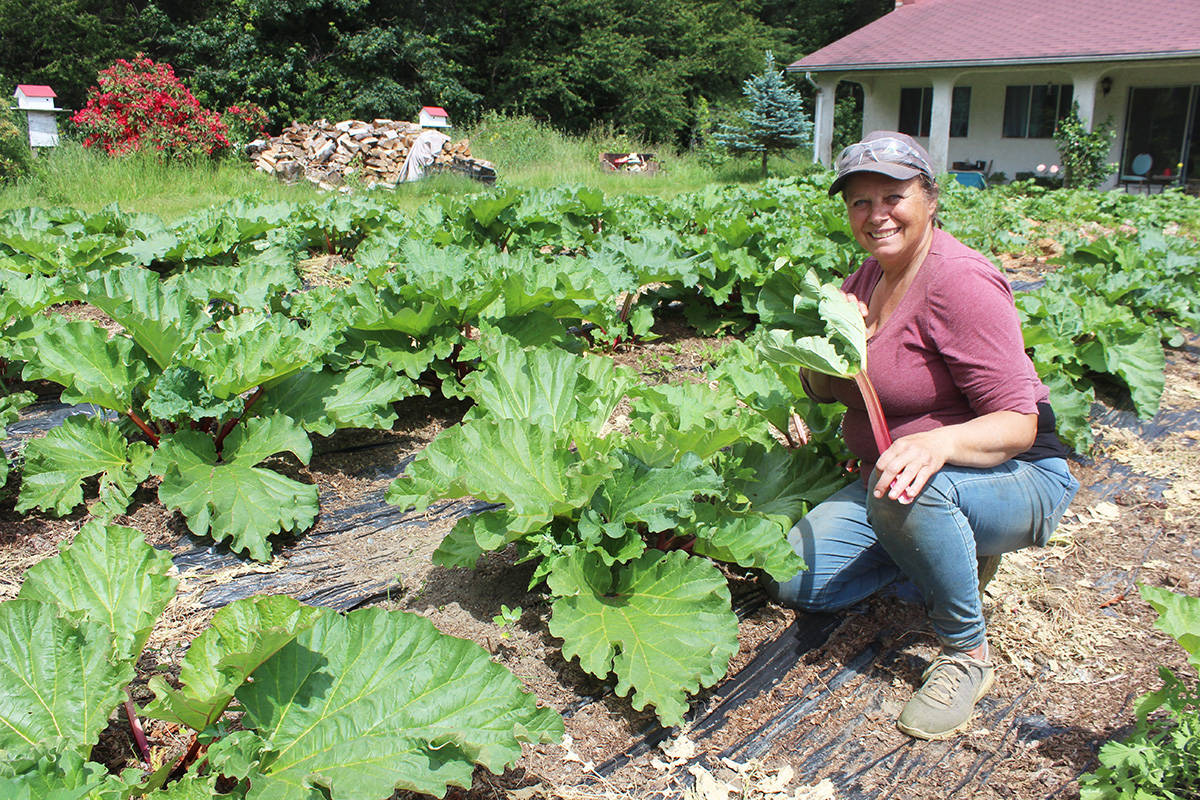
{"points": [[611, 519], [823, 331], [207, 392], [339, 706]]}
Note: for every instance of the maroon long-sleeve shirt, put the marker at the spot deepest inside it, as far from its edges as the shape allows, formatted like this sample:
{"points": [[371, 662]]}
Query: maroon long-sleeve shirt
{"points": [[951, 351]]}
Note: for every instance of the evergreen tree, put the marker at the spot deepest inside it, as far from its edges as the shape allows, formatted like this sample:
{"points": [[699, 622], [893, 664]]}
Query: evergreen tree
{"points": [[775, 120]]}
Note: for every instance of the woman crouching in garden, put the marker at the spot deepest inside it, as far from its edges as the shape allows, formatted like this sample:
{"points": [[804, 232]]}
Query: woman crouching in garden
{"points": [[975, 469]]}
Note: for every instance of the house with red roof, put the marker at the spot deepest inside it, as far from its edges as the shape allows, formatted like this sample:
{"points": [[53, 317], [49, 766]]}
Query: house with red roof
{"points": [[983, 82]]}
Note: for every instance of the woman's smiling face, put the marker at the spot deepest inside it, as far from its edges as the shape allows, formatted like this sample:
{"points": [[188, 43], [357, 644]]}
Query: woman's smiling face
{"points": [[891, 219]]}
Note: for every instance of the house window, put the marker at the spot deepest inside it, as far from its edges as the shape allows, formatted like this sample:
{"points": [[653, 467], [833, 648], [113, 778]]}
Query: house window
{"points": [[1163, 128], [1032, 112], [916, 109]]}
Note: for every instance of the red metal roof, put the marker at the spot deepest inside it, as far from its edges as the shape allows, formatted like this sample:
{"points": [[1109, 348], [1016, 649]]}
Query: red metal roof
{"points": [[36, 90], [435, 111], [926, 33]]}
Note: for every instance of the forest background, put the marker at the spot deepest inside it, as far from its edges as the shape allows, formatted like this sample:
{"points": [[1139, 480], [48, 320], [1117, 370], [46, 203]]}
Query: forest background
{"points": [[638, 66]]}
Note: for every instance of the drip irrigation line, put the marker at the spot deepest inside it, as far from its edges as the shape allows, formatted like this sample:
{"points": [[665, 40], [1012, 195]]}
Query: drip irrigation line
{"points": [[349, 596]]}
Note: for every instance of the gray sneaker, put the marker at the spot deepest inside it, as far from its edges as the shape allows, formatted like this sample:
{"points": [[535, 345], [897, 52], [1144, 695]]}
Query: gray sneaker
{"points": [[943, 705]]}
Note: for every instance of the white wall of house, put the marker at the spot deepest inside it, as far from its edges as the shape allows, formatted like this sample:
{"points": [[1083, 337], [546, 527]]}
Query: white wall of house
{"points": [[985, 142]]}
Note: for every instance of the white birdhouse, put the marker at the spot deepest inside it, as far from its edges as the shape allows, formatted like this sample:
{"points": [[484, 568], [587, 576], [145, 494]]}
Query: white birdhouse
{"points": [[434, 117], [38, 104]]}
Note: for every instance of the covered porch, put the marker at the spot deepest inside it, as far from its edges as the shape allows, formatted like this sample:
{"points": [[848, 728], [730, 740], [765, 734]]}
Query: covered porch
{"points": [[1003, 117]]}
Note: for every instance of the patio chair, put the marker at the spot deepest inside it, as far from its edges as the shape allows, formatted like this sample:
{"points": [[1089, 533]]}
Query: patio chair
{"points": [[1138, 170]]}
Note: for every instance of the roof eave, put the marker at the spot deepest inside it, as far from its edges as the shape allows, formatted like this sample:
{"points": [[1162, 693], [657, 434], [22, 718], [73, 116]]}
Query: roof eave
{"points": [[996, 62]]}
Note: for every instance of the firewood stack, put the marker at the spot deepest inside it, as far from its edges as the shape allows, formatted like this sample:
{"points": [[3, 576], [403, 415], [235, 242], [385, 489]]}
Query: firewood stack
{"points": [[370, 152]]}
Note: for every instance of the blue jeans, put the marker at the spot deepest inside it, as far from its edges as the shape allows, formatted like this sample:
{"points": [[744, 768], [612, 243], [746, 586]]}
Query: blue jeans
{"points": [[855, 543]]}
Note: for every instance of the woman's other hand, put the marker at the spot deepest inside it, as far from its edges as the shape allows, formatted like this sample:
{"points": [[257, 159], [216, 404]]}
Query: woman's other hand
{"points": [[862, 307], [906, 466]]}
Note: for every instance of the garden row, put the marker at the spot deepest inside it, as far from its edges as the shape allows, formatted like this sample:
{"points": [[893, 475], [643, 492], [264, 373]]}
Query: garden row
{"points": [[235, 335]]}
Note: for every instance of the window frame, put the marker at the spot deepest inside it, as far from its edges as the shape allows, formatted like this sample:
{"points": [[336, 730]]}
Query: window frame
{"points": [[1019, 109], [960, 111]]}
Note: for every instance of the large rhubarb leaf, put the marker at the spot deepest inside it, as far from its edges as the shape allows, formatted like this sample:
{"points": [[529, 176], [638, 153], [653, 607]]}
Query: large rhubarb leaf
{"points": [[375, 701], [662, 624], [1135, 355], [839, 349], [324, 400], [783, 348], [240, 638], [660, 497], [396, 351], [1072, 404], [163, 320], [759, 388], [655, 259], [49, 774], [1178, 615], [113, 577], [782, 483], [678, 418], [24, 295], [91, 367], [58, 681], [250, 349], [179, 395], [544, 386], [231, 498], [57, 464], [531, 469], [249, 285], [752, 540]]}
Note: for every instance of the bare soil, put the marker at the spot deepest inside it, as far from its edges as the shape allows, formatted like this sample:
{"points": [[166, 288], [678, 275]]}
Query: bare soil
{"points": [[1074, 642]]}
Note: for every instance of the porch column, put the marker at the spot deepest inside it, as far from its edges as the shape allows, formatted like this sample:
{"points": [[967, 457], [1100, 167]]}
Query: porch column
{"points": [[823, 120], [1084, 87], [939, 124]]}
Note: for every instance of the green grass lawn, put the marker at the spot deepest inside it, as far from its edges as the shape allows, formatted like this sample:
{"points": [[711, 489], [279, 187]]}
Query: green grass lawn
{"points": [[526, 153]]}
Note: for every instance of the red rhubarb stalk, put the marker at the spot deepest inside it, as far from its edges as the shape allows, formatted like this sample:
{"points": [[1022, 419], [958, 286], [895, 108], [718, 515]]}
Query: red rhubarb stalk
{"points": [[229, 425], [135, 724], [150, 434], [879, 428]]}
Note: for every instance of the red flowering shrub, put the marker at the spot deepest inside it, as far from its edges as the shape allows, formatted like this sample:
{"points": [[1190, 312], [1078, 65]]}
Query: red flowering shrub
{"points": [[141, 105], [245, 121]]}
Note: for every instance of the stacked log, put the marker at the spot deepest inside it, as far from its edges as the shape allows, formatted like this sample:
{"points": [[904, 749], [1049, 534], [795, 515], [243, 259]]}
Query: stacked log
{"points": [[366, 153]]}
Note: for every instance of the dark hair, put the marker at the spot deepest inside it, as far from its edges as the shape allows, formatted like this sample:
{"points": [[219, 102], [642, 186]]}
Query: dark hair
{"points": [[932, 192]]}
